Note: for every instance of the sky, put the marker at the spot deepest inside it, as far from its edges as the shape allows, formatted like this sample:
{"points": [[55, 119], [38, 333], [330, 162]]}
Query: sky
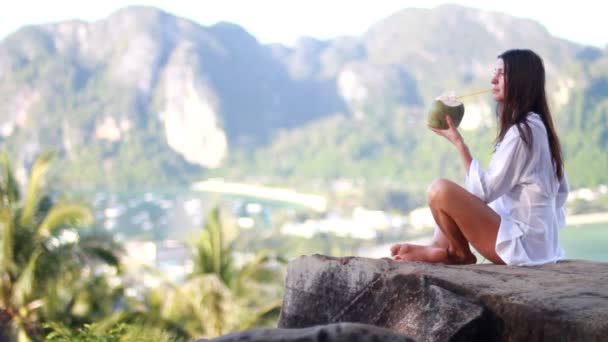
{"points": [[283, 21]]}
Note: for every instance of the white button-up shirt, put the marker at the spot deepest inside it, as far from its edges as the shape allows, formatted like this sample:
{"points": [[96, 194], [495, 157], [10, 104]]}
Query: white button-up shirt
{"points": [[520, 186]]}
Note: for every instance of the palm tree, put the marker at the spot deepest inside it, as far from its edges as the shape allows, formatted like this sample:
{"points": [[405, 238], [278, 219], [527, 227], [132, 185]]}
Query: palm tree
{"points": [[253, 281], [213, 252], [39, 244], [220, 295]]}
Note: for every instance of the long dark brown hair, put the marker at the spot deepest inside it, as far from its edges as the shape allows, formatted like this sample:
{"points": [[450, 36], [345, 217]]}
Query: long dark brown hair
{"points": [[524, 93]]}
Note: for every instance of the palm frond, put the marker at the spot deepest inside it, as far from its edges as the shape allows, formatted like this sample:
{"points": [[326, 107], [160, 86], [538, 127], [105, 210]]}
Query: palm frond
{"points": [[134, 319], [211, 302], [214, 229], [64, 214], [269, 310], [24, 286], [105, 255], [209, 248], [9, 188], [248, 272], [259, 260], [204, 254], [37, 174], [7, 234]]}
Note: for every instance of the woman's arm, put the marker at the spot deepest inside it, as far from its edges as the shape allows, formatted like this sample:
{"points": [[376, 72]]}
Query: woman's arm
{"points": [[507, 167], [452, 134], [465, 154]]}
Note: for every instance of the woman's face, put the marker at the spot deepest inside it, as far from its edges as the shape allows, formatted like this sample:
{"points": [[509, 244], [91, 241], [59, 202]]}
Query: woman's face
{"points": [[498, 81]]}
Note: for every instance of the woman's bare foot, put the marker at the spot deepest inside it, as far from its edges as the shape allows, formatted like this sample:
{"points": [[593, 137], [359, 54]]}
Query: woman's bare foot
{"points": [[410, 252], [404, 248], [434, 254]]}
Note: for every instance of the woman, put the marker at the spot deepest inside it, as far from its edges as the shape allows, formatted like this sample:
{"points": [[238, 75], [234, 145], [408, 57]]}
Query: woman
{"points": [[511, 213]]}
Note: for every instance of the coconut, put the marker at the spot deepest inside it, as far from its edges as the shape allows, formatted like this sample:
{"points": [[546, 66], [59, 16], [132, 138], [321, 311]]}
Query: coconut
{"points": [[442, 106]]}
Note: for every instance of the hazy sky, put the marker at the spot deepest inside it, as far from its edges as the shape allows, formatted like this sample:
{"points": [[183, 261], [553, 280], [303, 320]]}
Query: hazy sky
{"points": [[581, 21]]}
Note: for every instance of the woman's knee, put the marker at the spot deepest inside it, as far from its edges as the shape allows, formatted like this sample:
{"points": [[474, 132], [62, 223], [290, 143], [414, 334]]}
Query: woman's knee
{"points": [[437, 190]]}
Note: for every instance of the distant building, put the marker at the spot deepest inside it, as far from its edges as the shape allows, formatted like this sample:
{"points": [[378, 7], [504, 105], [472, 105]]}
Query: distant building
{"points": [[344, 227], [170, 257]]}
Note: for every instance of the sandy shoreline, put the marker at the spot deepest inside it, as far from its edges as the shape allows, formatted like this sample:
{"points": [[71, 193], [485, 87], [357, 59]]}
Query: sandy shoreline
{"points": [[583, 219]]}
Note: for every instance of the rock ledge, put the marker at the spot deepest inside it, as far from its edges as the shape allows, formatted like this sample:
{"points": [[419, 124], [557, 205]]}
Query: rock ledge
{"points": [[430, 302]]}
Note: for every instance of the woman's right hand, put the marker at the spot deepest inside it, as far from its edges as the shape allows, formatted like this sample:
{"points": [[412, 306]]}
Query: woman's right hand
{"points": [[451, 133]]}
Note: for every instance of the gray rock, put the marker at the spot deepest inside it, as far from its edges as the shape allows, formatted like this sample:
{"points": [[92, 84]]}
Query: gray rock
{"points": [[339, 332], [556, 302]]}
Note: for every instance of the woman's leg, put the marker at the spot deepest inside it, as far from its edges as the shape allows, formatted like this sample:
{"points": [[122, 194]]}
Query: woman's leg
{"points": [[462, 219]]}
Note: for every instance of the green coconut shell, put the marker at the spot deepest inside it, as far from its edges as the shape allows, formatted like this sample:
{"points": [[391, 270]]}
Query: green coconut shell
{"points": [[438, 111]]}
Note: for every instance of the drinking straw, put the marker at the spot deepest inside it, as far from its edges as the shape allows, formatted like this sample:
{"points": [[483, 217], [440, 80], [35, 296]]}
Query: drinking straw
{"points": [[474, 93]]}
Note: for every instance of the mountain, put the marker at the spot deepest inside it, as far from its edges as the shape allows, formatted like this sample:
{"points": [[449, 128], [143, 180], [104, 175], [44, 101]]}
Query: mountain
{"points": [[146, 98]]}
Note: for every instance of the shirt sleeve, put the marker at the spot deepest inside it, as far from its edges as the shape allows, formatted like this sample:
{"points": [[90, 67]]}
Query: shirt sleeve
{"points": [[560, 200], [506, 169]]}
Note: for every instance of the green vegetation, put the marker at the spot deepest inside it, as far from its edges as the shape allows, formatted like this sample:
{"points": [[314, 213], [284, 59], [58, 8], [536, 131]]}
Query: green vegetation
{"points": [[219, 295], [384, 150], [118, 333], [45, 264], [59, 280], [585, 138]]}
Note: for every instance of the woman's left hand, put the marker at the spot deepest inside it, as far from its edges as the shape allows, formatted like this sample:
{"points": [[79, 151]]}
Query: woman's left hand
{"points": [[451, 133]]}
